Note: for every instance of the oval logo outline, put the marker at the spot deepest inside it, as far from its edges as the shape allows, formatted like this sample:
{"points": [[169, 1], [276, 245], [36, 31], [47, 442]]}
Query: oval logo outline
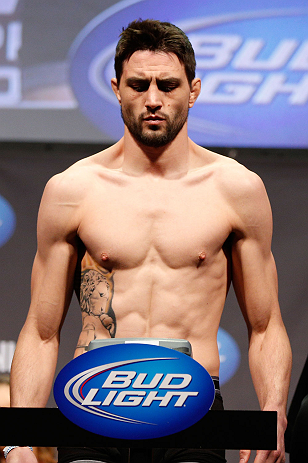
{"points": [[210, 123], [129, 392], [7, 221]]}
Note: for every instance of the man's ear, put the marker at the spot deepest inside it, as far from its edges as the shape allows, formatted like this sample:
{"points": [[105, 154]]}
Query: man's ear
{"points": [[195, 90], [114, 86]]}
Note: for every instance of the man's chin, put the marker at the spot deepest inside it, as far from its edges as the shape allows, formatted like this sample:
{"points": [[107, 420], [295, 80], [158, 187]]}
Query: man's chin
{"points": [[154, 143], [153, 139]]}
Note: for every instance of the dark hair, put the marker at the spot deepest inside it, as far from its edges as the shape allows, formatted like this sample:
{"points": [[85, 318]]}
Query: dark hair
{"points": [[154, 35]]}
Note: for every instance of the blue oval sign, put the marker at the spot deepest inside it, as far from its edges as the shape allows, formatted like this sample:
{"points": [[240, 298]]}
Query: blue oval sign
{"points": [[252, 58], [229, 355], [7, 221], [128, 392]]}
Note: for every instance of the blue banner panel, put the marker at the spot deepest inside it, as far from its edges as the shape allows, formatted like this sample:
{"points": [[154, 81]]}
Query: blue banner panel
{"points": [[125, 391], [252, 58]]}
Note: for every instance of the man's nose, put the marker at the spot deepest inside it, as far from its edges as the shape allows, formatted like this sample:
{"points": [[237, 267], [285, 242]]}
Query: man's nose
{"points": [[153, 98]]}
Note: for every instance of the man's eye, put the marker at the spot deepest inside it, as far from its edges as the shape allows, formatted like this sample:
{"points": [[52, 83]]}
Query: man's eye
{"points": [[139, 88], [168, 88]]}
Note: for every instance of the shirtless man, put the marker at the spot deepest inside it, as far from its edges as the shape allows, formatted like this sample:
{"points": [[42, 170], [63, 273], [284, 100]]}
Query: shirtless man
{"points": [[167, 224]]}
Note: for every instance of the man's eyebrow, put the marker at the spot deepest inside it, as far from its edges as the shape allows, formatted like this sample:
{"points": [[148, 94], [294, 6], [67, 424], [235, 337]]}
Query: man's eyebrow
{"points": [[133, 80], [170, 80]]}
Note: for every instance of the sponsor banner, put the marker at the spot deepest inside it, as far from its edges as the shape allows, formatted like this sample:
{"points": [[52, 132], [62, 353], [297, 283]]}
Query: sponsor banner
{"points": [[10, 47], [229, 355], [133, 392], [252, 58], [7, 221]]}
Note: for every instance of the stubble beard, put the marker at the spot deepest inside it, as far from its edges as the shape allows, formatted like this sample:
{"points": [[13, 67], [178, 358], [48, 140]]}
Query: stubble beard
{"points": [[154, 136]]}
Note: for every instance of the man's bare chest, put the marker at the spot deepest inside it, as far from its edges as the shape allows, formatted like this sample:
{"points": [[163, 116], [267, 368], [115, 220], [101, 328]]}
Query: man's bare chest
{"points": [[166, 221]]}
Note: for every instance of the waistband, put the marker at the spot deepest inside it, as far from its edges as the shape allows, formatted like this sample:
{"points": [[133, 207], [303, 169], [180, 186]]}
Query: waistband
{"points": [[216, 383]]}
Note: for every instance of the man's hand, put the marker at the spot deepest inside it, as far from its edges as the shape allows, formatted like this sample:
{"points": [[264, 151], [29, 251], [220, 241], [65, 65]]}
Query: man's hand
{"points": [[268, 456], [21, 455], [263, 456]]}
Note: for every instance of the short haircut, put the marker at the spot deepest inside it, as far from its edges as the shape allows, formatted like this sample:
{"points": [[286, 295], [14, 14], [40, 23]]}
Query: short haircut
{"points": [[154, 36]]}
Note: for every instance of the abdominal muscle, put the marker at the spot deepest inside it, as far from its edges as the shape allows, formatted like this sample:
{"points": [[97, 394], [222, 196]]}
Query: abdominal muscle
{"points": [[153, 303]]}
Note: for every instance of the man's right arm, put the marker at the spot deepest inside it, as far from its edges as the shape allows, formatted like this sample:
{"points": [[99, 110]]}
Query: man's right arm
{"points": [[35, 358], [36, 352]]}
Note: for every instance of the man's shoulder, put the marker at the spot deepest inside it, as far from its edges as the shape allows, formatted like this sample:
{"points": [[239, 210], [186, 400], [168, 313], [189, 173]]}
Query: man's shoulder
{"points": [[235, 178], [68, 183], [66, 194], [81, 175], [244, 192], [242, 189], [228, 172]]}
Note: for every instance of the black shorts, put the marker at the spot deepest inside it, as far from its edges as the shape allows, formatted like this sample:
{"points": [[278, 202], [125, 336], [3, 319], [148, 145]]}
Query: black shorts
{"points": [[114, 455]]}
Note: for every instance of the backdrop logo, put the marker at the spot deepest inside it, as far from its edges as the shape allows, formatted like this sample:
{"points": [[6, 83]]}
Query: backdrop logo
{"points": [[252, 59], [7, 221], [229, 355], [116, 392]]}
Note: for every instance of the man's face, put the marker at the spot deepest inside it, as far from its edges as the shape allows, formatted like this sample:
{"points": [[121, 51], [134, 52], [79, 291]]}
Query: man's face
{"points": [[155, 97]]}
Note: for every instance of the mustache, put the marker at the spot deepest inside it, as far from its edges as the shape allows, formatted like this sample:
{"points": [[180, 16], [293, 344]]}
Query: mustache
{"points": [[150, 114]]}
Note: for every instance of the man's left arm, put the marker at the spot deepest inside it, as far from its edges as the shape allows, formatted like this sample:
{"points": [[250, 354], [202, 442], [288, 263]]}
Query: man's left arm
{"points": [[255, 283]]}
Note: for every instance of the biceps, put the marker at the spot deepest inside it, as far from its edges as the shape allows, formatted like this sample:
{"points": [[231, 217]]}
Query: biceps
{"points": [[255, 282]]}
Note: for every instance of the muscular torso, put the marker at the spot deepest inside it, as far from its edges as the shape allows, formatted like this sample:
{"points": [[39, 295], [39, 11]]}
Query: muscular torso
{"points": [[155, 260]]}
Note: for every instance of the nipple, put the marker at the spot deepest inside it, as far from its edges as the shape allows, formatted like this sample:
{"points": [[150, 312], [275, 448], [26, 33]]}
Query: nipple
{"points": [[104, 256], [201, 258]]}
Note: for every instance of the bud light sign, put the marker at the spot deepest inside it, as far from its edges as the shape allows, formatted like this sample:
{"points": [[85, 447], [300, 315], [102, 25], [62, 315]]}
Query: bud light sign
{"points": [[7, 221], [252, 59], [132, 392]]}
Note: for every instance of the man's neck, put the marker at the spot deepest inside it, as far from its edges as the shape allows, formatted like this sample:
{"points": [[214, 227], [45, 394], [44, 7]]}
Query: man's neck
{"points": [[170, 161]]}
